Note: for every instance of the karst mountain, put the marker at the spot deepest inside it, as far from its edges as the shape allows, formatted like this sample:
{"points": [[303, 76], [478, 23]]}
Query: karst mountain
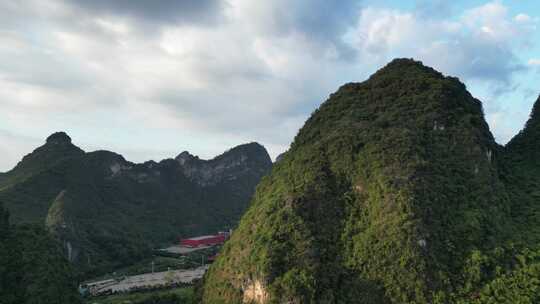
{"points": [[394, 191], [106, 211]]}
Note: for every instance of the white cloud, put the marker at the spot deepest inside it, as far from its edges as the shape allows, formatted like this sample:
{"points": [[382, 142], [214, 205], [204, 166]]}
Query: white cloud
{"points": [[254, 70], [534, 62], [479, 45], [11, 153], [522, 18], [243, 79]]}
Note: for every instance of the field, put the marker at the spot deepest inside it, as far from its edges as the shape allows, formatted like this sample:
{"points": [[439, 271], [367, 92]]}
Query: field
{"points": [[171, 296]]}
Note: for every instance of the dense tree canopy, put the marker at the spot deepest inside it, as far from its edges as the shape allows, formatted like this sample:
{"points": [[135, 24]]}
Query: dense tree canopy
{"points": [[108, 212], [394, 191], [33, 269]]}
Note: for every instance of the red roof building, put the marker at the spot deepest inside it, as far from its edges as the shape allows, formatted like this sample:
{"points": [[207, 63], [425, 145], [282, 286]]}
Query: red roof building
{"points": [[206, 240]]}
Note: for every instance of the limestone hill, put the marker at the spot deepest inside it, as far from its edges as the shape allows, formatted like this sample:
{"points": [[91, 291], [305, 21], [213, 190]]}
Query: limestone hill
{"points": [[107, 211], [394, 191]]}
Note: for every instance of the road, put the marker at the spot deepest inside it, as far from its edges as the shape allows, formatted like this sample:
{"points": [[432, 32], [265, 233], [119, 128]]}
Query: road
{"points": [[183, 249], [151, 279]]}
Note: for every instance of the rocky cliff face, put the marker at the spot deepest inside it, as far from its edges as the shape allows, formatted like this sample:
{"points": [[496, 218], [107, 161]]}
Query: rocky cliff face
{"points": [[107, 211], [394, 191], [245, 159]]}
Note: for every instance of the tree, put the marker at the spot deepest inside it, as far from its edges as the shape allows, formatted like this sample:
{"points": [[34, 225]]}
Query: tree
{"points": [[10, 291], [33, 269]]}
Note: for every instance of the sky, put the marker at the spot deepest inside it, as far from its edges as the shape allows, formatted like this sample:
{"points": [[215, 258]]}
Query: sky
{"points": [[150, 79]]}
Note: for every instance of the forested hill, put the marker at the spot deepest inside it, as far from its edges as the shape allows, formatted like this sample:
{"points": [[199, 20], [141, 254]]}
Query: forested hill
{"points": [[523, 176], [107, 211], [32, 268], [527, 142], [394, 191]]}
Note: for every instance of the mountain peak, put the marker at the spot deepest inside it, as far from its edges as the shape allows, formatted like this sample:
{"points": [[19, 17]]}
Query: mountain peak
{"points": [[371, 169], [527, 141], [58, 138], [248, 147], [184, 157], [408, 63], [242, 159], [535, 114], [534, 118], [253, 151], [405, 67], [405, 62], [58, 147]]}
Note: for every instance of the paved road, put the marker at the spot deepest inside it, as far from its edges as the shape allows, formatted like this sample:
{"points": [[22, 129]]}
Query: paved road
{"points": [[183, 249], [154, 279]]}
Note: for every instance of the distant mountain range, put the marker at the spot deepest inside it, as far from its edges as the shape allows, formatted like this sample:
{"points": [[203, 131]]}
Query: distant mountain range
{"points": [[394, 191], [107, 211]]}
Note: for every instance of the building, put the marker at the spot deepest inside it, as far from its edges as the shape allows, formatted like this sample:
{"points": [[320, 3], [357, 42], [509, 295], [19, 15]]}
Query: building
{"points": [[205, 240]]}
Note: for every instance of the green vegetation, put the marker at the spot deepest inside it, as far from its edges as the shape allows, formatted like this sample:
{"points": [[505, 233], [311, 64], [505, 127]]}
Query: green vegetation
{"points": [[163, 261], [145, 266], [394, 191], [523, 177], [173, 296], [109, 213], [32, 268]]}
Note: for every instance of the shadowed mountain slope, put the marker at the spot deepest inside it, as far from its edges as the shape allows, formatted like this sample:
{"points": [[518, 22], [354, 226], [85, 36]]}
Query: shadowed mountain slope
{"points": [[108, 211]]}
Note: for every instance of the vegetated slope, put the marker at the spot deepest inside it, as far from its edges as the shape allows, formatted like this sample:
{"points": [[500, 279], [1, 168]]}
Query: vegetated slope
{"points": [[523, 178], [107, 211], [392, 192], [32, 268]]}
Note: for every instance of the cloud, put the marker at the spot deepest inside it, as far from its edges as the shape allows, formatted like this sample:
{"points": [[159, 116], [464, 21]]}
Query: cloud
{"points": [[11, 153], [246, 79], [522, 18], [434, 8], [157, 12], [535, 62], [479, 45], [207, 75], [320, 21]]}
